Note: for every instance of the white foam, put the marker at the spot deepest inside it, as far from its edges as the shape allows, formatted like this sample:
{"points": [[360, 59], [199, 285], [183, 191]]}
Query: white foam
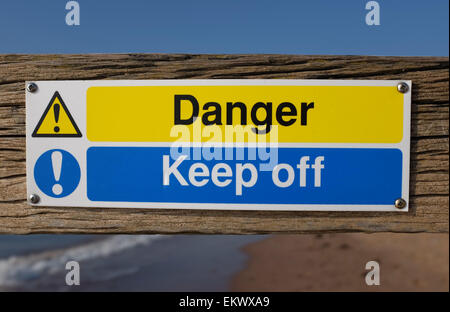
{"points": [[16, 270]]}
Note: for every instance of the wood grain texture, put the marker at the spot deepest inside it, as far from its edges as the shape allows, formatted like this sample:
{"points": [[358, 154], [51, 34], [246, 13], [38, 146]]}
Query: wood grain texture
{"points": [[429, 146]]}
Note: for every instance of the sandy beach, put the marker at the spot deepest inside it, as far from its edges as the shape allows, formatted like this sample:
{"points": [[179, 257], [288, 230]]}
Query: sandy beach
{"points": [[328, 262], [336, 262]]}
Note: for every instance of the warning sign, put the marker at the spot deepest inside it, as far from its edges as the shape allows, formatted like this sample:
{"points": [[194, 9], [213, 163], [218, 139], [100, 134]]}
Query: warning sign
{"points": [[306, 145], [56, 121]]}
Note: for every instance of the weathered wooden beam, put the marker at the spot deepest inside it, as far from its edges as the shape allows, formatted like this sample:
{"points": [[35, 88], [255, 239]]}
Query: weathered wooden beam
{"points": [[429, 145]]}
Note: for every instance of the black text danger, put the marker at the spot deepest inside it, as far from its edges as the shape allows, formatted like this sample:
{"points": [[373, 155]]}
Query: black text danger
{"points": [[187, 109]]}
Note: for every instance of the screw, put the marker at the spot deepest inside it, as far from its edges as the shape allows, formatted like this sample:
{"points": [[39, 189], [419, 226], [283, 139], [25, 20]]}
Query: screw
{"points": [[32, 87], [34, 199], [402, 87], [400, 203]]}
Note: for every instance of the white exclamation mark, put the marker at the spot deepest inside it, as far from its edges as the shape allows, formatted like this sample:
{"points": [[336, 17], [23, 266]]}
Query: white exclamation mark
{"points": [[56, 164]]}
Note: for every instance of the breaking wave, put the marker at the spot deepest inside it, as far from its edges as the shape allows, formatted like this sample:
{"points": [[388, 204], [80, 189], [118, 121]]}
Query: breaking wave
{"points": [[17, 270]]}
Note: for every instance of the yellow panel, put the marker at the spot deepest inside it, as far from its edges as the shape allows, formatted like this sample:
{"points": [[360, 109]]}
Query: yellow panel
{"points": [[341, 114]]}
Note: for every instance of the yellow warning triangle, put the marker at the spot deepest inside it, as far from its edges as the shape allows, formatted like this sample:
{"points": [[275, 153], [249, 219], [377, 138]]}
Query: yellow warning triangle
{"points": [[56, 121]]}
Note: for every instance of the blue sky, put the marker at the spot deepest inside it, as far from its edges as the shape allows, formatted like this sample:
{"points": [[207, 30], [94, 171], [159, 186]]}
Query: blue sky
{"points": [[408, 27]]}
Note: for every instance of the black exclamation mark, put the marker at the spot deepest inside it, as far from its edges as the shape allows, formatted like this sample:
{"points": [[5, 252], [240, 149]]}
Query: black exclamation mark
{"points": [[56, 112]]}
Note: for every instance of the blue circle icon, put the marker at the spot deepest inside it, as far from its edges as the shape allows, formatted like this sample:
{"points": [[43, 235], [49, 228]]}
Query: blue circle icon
{"points": [[57, 173]]}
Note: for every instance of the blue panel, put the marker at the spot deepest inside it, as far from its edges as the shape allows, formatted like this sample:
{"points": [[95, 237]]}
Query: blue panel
{"points": [[350, 176]]}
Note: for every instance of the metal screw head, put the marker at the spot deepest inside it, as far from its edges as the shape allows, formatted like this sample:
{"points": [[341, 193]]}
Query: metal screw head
{"points": [[402, 87], [400, 203], [32, 87], [34, 198]]}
